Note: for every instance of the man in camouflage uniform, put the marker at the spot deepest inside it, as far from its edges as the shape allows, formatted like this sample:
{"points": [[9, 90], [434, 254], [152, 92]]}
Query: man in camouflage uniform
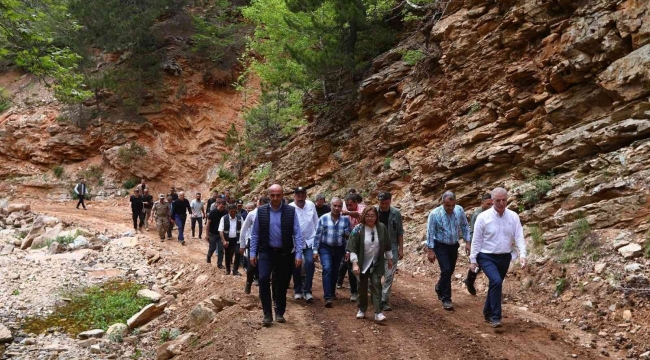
{"points": [[162, 215]]}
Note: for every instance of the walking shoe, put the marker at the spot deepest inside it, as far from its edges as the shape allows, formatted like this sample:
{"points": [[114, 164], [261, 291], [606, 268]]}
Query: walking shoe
{"points": [[439, 293], [470, 287], [247, 288], [497, 324], [386, 307], [268, 319], [220, 266], [309, 298], [227, 272], [380, 317], [487, 318], [256, 282], [183, 242], [236, 273], [354, 297], [447, 305], [162, 240], [280, 319], [328, 303], [297, 297], [361, 314], [169, 237]]}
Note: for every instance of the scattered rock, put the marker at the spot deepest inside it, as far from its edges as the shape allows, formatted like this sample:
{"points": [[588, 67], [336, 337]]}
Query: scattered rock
{"points": [[18, 207], [619, 243], [38, 229], [7, 249], [633, 267], [50, 234], [88, 343], [145, 315], [587, 305], [173, 348], [151, 295], [28, 341], [598, 268], [117, 329], [200, 315], [79, 242], [56, 248], [631, 251], [5, 334], [95, 349], [627, 315], [96, 333], [220, 302], [126, 241]]}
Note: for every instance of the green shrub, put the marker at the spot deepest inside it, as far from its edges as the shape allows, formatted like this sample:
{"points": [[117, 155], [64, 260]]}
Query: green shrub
{"points": [[93, 173], [412, 57], [578, 243], [168, 334], [5, 103], [537, 235], [226, 174], [130, 183], [62, 118], [58, 171], [560, 286], [387, 162], [538, 186], [260, 175], [16, 292], [474, 109], [133, 151]]}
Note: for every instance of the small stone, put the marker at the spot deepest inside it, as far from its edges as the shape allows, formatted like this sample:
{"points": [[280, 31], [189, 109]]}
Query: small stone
{"points": [[56, 248], [96, 333], [627, 315], [602, 334], [619, 243], [148, 294], [598, 268], [633, 267], [88, 343], [5, 334], [587, 305], [117, 329], [631, 251], [145, 315], [95, 349], [28, 341], [645, 355]]}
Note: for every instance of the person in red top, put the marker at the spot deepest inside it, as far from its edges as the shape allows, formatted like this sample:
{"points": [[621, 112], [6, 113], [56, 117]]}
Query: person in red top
{"points": [[353, 210]]}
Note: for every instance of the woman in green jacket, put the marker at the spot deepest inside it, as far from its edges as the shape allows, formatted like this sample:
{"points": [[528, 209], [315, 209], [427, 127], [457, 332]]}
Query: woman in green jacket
{"points": [[369, 245]]}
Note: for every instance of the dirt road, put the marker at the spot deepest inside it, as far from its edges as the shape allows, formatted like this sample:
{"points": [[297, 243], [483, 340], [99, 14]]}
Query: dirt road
{"points": [[417, 328]]}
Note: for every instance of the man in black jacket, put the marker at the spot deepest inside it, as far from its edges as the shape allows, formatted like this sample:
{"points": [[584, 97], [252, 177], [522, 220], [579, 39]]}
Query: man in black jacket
{"points": [[214, 218], [148, 205], [137, 209], [180, 209], [81, 190]]}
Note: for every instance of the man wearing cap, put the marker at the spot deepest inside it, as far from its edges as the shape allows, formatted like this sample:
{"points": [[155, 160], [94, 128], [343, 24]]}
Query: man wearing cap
{"points": [[240, 209], [170, 226], [198, 213], [308, 219], [392, 219], [162, 215]]}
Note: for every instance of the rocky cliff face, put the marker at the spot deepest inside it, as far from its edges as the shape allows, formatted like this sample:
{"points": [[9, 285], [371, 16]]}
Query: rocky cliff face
{"points": [[506, 91]]}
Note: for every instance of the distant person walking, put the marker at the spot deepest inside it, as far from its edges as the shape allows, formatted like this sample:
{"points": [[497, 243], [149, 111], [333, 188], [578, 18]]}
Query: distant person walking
{"points": [[445, 225], [230, 229], [198, 213], [332, 232], [392, 219], [147, 201], [276, 248], [180, 208], [162, 216], [137, 210], [172, 192], [369, 248], [214, 238], [252, 275], [494, 232], [308, 219], [321, 207], [81, 190], [170, 227], [142, 186], [486, 203]]}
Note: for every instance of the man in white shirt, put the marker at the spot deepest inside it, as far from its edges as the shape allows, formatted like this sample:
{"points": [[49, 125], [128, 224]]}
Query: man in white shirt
{"points": [[308, 219], [252, 275], [494, 232], [230, 230], [198, 213]]}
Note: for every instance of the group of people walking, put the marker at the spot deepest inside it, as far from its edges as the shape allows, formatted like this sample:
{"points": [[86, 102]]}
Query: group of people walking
{"points": [[276, 240]]}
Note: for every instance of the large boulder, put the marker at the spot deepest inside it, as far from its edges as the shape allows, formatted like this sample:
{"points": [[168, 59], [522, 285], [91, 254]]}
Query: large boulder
{"points": [[145, 315], [173, 348], [38, 229], [200, 315], [49, 234], [18, 207], [629, 76], [55, 248], [631, 251]]}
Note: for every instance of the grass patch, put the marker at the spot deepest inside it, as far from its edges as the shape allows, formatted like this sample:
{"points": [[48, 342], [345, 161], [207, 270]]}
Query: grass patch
{"points": [[226, 174], [16, 292], [131, 152], [387, 162], [579, 243], [560, 286], [5, 103], [168, 334], [474, 109], [260, 175], [412, 57], [93, 173], [130, 183], [94, 307], [537, 235], [62, 119], [58, 171], [537, 186], [63, 240]]}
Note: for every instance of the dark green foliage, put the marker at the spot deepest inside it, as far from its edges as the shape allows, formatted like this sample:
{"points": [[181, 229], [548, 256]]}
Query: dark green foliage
{"points": [[216, 31], [92, 174], [131, 152], [579, 243], [58, 171], [5, 102], [130, 183], [226, 174], [538, 186]]}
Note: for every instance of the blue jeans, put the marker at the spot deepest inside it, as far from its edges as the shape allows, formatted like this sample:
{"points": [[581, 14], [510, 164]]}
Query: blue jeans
{"points": [[308, 263], [495, 267], [180, 223], [330, 258]]}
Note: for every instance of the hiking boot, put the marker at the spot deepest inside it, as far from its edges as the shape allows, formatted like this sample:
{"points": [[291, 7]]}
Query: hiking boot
{"points": [[487, 318], [183, 242], [360, 314], [268, 319], [297, 297], [386, 307], [447, 305], [220, 266], [227, 272], [496, 324], [309, 298], [280, 319], [439, 293], [380, 317], [247, 288], [354, 297], [236, 273], [328, 303]]}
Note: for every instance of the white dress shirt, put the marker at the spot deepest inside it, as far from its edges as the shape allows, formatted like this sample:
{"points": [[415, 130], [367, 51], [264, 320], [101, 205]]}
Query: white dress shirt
{"points": [[232, 232], [308, 219], [370, 249], [494, 234], [247, 229]]}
